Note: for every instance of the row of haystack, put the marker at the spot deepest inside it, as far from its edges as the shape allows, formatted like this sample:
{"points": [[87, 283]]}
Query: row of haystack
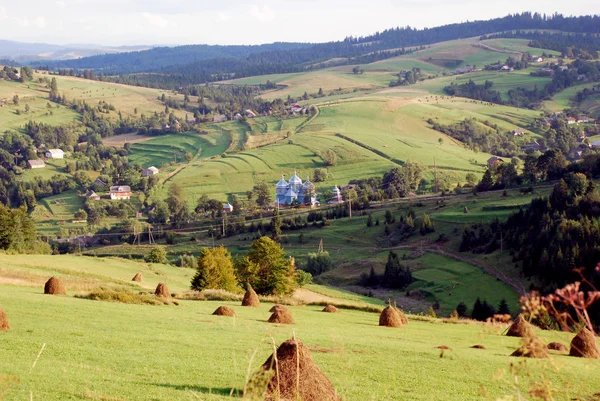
{"points": [[583, 345]]}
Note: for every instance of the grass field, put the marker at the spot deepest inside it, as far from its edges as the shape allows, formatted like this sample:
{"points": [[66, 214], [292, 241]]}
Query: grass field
{"points": [[96, 350]]}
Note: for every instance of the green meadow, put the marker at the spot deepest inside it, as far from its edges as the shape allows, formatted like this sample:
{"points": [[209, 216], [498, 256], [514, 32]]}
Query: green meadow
{"points": [[68, 348]]}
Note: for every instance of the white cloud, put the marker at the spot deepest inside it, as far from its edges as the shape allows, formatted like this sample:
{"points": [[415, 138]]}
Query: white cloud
{"points": [[24, 22], [3, 14], [61, 4], [264, 13], [223, 17], [155, 19], [40, 22]]}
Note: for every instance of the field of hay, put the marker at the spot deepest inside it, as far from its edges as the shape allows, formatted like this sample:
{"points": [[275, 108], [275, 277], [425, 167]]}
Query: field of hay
{"points": [[112, 351]]}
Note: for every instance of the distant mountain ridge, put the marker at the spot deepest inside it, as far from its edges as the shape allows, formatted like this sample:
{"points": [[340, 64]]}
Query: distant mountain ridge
{"points": [[27, 52]]}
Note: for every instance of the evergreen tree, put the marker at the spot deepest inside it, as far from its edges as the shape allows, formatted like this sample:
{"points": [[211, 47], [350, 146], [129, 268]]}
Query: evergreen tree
{"points": [[461, 309], [426, 225], [276, 226], [396, 275], [503, 307], [477, 311], [370, 220], [215, 270], [486, 183]]}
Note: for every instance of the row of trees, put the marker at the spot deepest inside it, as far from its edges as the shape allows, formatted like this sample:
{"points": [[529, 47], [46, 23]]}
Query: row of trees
{"points": [[265, 267]]}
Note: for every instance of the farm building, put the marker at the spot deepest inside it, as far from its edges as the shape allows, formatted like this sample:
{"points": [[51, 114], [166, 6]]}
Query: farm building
{"points": [[536, 59], [250, 113], [100, 183], [518, 132], [336, 199], [36, 164], [294, 190], [571, 120], [149, 171], [120, 192], [228, 208], [532, 147], [92, 195], [465, 70], [55, 154], [219, 118], [493, 160]]}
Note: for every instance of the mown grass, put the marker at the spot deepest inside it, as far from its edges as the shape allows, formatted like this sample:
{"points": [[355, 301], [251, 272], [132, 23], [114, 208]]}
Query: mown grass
{"points": [[103, 350]]}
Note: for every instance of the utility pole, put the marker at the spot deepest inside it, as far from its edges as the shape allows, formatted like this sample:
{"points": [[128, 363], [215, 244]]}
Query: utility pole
{"points": [[175, 156], [435, 188], [134, 235], [223, 225], [150, 237], [320, 246], [350, 206]]}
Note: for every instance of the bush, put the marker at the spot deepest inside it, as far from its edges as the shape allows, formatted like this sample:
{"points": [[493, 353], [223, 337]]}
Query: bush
{"points": [[318, 263], [426, 225], [188, 261], [157, 255], [170, 238], [303, 278]]}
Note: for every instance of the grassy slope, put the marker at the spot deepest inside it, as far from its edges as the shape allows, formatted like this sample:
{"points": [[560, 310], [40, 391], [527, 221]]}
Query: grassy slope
{"points": [[97, 350]]}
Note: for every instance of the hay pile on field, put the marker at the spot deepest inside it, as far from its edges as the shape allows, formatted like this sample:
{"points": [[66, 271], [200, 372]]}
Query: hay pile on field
{"points": [[521, 328], [584, 345], [296, 376], [138, 278], [276, 307], [532, 347], [331, 309], [478, 346], [390, 317], [554, 346], [3, 320], [55, 286], [224, 311], [250, 298], [282, 316], [162, 291]]}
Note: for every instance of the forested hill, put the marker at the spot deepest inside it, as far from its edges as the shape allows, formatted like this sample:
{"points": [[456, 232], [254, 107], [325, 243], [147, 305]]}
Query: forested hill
{"points": [[182, 65]]}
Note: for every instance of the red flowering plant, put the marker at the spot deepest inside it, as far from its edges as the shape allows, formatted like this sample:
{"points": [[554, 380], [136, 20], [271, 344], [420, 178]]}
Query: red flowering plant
{"points": [[571, 296]]}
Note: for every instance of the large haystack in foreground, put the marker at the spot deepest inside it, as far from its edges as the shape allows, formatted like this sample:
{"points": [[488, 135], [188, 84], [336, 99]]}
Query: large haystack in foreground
{"points": [[55, 286], [224, 311], [532, 347], [584, 345], [138, 278], [521, 328], [162, 291], [3, 320], [390, 317], [250, 298], [296, 376], [282, 316], [331, 309]]}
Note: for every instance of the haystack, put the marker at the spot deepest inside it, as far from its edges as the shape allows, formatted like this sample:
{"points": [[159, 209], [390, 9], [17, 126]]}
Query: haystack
{"points": [[331, 309], [224, 311], [3, 320], [521, 328], [162, 291], [532, 347], [250, 298], [55, 286], [138, 278], [554, 346], [584, 345], [276, 307], [282, 316], [478, 346], [390, 317], [296, 376]]}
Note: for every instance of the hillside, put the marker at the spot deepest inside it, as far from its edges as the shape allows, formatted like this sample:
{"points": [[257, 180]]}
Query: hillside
{"points": [[104, 347]]}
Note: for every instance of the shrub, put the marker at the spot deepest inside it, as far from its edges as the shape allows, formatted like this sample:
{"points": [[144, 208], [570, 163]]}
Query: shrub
{"points": [[303, 278], [188, 261], [157, 255], [170, 238], [318, 263], [426, 225]]}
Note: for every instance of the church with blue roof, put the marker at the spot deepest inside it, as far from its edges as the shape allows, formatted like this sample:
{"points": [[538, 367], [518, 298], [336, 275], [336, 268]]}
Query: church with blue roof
{"points": [[295, 190]]}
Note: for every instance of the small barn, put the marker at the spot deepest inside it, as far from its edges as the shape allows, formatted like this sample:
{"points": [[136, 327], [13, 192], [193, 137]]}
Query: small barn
{"points": [[219, 118], [228, 208], [92, 195], [493, 160], [149, 171], [55, 154], [35, 164]]}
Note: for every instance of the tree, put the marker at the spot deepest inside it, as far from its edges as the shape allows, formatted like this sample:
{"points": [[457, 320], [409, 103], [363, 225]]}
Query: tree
{"points": [[503, 307], [53, 95], [318, 263], [27, 108], [486, 183], [17, 230], [16, 100], [215, 271], [330, 157], [267, 269], [426, 225], [370, 220], [356, 69], [262, 193], [157, 255], [206, 205], [471, 179], [276, 226], [395, 275], [461, 309], [320, 175], [80, 215], [477, 312]]}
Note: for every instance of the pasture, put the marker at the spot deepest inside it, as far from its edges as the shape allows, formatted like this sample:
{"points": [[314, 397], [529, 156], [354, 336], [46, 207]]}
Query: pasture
{"points": [[100, 350]]}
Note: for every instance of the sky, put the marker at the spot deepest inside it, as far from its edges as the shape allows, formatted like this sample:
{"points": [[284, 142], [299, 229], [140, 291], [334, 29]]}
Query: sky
{"points": [[171, 22]]}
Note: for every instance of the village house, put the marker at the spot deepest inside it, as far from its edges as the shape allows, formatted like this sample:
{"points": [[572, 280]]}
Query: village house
{"points": [[219, 118], [582, 120], [571, 120], [581, 77], [98, 182], [532, 147], [506, 68], [465, 70], [518, 132], [120, 192], [237, 117], [536, 59], [228, 208], [149, 171], [55, 154], [250, 113], [493, 160], [295, 190], [35, 164], [92, 195], [575, 155]]}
